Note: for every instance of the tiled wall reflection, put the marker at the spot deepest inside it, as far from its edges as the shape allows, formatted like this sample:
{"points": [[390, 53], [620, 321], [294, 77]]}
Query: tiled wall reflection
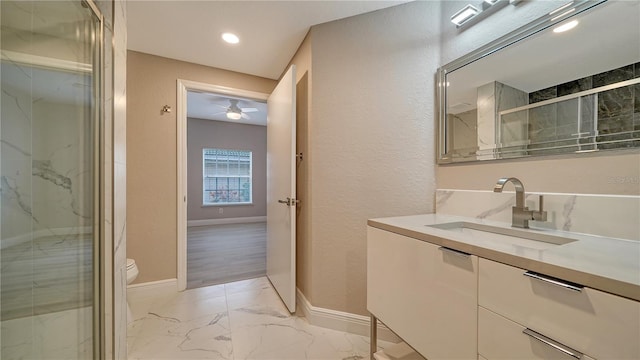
{"points": [[618, 112]]}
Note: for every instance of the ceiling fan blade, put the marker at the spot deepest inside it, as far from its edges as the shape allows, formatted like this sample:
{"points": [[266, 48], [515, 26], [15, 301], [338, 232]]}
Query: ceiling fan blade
{"points": [[219, 113], [248, 110], [245, 116]]}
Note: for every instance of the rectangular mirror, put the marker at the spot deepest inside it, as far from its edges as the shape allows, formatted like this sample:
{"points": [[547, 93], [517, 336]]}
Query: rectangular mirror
{"points": [[543, 91]]}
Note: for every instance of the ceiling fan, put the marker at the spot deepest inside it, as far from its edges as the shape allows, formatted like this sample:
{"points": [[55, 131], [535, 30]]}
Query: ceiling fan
{"points": [[234, 112]]}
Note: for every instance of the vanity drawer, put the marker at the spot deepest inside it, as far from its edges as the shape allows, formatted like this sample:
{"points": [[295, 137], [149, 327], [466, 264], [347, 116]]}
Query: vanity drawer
{"points": [[500, 338], [591, 321]]}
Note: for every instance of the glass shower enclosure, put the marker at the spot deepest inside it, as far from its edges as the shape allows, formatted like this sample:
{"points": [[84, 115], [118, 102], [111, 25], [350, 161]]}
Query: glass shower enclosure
{"points": [[50, 116]]}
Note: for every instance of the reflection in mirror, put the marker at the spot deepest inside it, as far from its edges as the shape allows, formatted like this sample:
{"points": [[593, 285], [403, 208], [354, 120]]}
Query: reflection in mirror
{"points": [[549, 91]]}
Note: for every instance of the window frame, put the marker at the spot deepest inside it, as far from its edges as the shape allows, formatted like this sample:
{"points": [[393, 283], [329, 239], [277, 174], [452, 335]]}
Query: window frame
{"points": [[204, 178]]}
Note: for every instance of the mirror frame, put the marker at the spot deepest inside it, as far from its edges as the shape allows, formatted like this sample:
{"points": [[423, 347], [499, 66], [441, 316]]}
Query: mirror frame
{"points": [[544, 22]]}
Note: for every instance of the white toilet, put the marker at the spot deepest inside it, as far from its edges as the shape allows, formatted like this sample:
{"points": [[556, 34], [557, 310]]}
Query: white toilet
{"points": [[132, 274]]}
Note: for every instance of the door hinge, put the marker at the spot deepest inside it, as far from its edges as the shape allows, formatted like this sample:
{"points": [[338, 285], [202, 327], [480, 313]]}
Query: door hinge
{"points": [[299, 156]]}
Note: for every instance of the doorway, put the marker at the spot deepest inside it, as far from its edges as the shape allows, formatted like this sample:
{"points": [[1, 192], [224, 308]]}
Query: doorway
{"points": [[218, 205], [226, 188]]}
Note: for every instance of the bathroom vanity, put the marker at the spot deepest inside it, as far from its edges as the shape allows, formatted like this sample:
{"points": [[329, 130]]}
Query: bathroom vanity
{"points": [[463, 288]]}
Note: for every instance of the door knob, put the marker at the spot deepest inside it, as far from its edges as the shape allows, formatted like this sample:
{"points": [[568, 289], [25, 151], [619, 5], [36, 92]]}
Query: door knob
{"points": [[289, 202]]}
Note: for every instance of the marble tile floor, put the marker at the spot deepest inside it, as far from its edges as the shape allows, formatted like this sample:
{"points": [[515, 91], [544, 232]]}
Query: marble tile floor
{"points": [[239, 320], [62, 335]]}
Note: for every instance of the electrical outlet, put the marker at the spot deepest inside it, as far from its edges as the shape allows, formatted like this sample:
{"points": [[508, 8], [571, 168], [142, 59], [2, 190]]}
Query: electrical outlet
{"points": [[220, 210]]}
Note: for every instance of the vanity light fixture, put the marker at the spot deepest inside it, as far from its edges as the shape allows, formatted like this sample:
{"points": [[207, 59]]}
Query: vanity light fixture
{"points": [[464, 15], [469, 12], [563, 14], [230, 38], [565, 27], [561, 8]]}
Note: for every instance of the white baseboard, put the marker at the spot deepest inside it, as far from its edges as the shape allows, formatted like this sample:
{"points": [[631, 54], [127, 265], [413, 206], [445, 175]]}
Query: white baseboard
{"points": [[339, 320], [168, 284], [240, 220]]}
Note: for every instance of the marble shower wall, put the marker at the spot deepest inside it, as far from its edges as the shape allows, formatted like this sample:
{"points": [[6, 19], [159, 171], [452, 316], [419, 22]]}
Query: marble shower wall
{"points": [[605, 215], [510, 130], [46, 155], [618, 110], [463, 132]]}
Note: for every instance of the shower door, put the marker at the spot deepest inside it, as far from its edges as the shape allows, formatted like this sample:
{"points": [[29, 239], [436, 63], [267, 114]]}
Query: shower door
{"points": [[49, 131]]}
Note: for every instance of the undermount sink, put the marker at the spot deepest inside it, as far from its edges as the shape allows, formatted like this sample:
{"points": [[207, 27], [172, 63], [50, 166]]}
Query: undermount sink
{"points": [[529, 239]]}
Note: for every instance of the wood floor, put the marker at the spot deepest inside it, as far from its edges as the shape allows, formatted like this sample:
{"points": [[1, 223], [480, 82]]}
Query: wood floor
{"points": [[218, 254]]}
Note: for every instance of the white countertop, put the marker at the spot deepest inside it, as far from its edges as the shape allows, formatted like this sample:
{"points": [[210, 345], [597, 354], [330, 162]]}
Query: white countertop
{"points": [[607, 264]]}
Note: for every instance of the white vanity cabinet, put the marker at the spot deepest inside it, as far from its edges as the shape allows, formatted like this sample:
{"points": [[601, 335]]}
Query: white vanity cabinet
{"points": [[592, 322], [426, 294]]}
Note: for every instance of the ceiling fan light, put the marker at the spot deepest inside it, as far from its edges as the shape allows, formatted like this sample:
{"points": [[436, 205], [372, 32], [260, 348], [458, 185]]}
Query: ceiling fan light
{"points": [[232, 115]]}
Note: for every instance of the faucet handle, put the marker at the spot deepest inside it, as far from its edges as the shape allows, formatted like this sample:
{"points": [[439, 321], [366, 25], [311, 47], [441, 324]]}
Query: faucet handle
{"points": [[541, 203], [540, 215]]}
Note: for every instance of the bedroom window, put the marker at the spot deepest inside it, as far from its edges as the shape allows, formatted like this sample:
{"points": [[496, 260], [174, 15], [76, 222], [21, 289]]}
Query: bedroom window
{"points": [[226, 177]]}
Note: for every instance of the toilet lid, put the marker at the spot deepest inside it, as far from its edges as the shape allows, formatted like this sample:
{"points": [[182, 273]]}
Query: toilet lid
{"points": [[130, 263]]}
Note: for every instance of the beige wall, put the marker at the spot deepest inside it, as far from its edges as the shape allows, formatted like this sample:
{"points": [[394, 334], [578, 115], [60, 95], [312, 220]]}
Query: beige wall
{"points": [[616, 172], [151, 154], [225, 135], [370, 140]]}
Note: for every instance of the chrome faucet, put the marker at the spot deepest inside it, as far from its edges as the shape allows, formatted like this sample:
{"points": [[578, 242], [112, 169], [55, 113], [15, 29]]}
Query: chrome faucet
{"points": [[520, 213]]}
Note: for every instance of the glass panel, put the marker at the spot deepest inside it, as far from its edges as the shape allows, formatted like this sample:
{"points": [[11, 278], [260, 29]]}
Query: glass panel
{"points": [[47, 173]]}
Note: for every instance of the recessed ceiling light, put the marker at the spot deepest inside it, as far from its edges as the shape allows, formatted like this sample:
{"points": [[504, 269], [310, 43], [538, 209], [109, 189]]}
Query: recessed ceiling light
{"points": [[565, 27], [230, 38]]}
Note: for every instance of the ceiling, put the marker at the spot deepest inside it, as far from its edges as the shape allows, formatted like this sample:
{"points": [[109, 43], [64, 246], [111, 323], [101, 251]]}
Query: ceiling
{"points": [[270, 31], [213, 107]]}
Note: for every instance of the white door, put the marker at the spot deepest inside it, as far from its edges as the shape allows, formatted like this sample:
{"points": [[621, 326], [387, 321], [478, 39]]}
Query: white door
{"points": [[281, 188]]}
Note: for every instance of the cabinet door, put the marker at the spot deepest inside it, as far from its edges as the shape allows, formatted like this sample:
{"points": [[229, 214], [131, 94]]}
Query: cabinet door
{"points": [[424, 294]]}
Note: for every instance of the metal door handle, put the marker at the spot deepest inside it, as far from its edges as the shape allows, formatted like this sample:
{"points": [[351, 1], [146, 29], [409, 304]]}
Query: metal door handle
{"points": [[554, 344], [289, 202], [554, 281]]}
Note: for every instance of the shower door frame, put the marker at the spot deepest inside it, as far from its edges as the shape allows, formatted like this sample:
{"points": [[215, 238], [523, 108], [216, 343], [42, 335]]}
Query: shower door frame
{"points": [[102, 258], [101, 274]]}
